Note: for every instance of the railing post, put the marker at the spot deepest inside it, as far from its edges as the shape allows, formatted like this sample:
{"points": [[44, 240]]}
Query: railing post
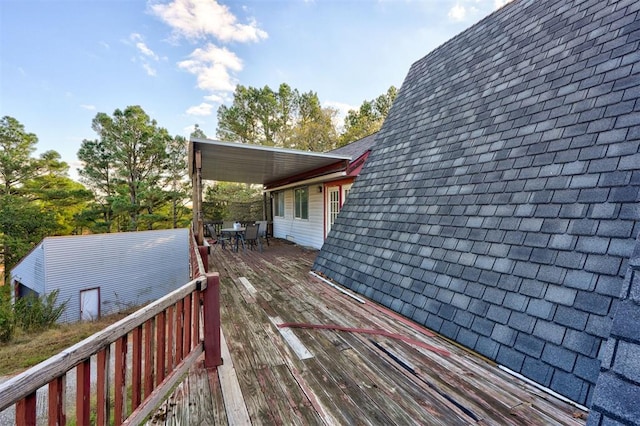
{"points": [[204, 255], [211, 307]]}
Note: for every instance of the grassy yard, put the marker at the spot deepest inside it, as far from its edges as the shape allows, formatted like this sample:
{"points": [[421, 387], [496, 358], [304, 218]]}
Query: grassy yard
{"points": [[26, 350]]}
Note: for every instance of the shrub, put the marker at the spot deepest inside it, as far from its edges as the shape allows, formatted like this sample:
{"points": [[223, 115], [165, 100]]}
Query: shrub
{"points": [[7, 319], [33, 313]]}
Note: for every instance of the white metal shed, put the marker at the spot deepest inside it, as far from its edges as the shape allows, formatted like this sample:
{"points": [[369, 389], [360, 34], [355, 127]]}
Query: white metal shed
{"points": [[105, 273]]}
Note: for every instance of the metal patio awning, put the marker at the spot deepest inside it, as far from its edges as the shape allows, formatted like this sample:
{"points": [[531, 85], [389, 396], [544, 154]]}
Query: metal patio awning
{"points": [[269, 166]]}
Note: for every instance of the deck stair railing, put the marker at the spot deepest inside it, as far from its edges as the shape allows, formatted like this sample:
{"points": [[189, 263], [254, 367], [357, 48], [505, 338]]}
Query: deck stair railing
{"points": [[164, 339]]}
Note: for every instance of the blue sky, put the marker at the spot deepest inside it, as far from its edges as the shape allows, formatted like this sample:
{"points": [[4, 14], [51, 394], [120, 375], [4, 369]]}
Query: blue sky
{"points": [[63, 61]]}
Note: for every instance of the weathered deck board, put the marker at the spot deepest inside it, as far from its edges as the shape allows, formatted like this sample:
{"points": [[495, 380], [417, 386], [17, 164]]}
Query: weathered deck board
{"points": [[352, 378], [191, 403]]}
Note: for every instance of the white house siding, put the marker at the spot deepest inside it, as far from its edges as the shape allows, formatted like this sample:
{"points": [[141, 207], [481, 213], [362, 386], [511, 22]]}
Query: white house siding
{"points": [[130, 268], [30, 271], [305, 232]]}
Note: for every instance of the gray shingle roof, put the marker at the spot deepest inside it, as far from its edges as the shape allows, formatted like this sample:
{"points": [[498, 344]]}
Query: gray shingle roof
{"points": [[357, 148], [499, 204]]}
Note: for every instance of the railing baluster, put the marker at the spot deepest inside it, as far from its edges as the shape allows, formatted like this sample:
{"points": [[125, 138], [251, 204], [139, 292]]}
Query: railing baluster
{"points": [[148, 358], [136, 368], [26, 410], [102, 392], [170, 338], [57, 392], [120, 379], [195, 329], [83, 392], [161, 347], [179, 329], [186, 345]]}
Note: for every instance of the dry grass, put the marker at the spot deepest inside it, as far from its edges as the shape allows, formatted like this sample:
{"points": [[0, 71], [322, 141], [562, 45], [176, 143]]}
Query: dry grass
{"points": [[27, 350]]}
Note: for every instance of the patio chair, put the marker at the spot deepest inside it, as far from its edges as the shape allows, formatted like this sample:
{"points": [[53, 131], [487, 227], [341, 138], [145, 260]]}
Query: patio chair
{"points": [[251, 237], [219, 238], [262, 230], [222, 238]]}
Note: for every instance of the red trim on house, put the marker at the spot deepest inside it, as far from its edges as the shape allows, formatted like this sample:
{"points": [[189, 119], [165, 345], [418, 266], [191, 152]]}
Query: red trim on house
{"points": [[331, 168], [340, 182], [356, 165]]}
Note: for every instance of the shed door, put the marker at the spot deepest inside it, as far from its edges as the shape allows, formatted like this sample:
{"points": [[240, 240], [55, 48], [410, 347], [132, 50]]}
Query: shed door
{"points": [[89, 304]]}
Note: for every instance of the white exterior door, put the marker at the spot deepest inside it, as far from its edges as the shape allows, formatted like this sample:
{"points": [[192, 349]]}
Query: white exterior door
{"points": [[336, 196], [333, 206], [89, 304]]}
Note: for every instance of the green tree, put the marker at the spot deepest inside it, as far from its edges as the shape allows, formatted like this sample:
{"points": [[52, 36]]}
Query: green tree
{"points": [[98, 173], [282, 118], [198, 132], [23, 224], [368, 118], [16, 148], [238, 122], [232, 201], [133, 149], [314, 129], [177, 180], [37, 198]]}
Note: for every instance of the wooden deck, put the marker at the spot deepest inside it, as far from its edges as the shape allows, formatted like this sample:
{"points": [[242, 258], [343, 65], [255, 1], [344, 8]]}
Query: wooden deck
{"points": [[314, 376]]}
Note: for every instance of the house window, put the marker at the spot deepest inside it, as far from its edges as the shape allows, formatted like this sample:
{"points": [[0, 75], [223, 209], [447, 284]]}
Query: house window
{"points": [[301, 196], [278, 204]]}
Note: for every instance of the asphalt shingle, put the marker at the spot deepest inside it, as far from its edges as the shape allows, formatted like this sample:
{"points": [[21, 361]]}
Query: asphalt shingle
{"points": [[499, 204]]}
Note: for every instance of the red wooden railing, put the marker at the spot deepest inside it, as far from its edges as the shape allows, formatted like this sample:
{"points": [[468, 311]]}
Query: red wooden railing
{"points": [[165, 338]]}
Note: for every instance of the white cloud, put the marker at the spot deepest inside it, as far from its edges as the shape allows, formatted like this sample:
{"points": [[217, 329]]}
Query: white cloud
{"points": [[146, 51], [457, 13], [88, 107], [198, 19], [203, 109], [146, 54], [218, 98], [149, 69], [497, 4], [342, 108], [142, 47], [212, 66]]}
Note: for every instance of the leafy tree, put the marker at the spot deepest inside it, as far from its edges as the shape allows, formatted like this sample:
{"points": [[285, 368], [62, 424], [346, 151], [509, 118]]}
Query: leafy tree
{"points": [[286, 109], [98, 173], [314, 129], [176, 179], [238, 122], [198, 132], [37, 198], [23, 224], [16, 148], [282, 118], [232, 201], [131, 154], [288, 118], [368, 119]]}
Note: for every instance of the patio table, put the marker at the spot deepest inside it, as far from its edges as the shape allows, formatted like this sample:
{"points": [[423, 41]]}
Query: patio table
{"points": [[237, 234]]}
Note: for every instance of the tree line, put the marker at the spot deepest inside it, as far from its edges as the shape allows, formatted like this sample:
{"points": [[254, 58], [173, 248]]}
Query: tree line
{"points": [[287, 118], [134, 173]]}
